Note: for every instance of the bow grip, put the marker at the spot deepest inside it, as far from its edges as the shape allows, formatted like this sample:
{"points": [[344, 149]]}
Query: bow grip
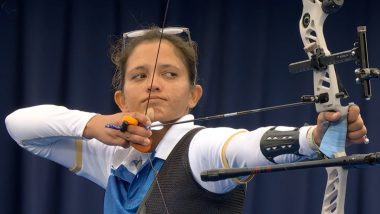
{"points": [[333, 143]]}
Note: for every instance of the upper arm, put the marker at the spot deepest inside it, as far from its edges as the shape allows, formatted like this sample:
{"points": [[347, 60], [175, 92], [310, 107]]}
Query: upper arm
{"points": [[88, 158], [205, 153]]}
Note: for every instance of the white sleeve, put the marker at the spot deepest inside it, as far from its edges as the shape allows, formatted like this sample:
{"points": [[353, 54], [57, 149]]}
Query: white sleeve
{"points": [[243, 150], [51, 132]]}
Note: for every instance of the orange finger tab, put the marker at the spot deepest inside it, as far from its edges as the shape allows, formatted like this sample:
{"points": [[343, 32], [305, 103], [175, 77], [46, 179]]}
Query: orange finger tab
{"points": [[130, 120]]}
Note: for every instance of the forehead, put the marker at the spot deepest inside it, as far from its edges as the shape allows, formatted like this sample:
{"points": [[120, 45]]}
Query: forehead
{"points": [[147, 52]]}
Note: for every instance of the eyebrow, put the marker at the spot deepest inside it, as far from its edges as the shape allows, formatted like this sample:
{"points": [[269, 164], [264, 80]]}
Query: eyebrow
{"points": [[160, 66], [140, 67], [167, 66]]}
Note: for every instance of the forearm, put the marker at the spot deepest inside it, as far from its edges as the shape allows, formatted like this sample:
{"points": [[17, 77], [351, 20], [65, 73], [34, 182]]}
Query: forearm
{"points": [[247, 149], [56, 133], [45, 121], [48, 131], [239, 148]]}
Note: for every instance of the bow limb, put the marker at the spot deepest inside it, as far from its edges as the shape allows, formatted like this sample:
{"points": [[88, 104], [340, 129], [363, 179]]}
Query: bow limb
{"points": [[327, 90]]}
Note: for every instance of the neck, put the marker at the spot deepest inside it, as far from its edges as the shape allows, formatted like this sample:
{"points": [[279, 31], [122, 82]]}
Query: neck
{"points": [[159, 134], [157, 137]]}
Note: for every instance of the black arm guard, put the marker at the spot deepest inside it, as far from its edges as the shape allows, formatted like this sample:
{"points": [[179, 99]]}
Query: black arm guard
{"points": [[275, 143]]}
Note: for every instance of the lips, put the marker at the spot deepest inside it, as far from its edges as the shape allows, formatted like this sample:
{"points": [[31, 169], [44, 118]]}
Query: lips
{"points": [[154, 97]]}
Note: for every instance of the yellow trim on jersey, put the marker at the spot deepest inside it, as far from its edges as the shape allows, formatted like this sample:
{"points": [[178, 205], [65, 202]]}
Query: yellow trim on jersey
{"points": [[78, 157], [227, 165]]}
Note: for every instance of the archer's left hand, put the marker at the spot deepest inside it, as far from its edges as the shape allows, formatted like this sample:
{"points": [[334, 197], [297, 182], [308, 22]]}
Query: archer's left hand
{"points": [[356, 130]]}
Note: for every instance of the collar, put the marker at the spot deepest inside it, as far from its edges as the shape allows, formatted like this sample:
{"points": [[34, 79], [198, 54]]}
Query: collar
{"points": [[172, 137]]}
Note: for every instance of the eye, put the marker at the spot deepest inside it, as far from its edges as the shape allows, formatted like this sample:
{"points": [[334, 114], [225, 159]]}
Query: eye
{"points": [[170, 74], [139, 76]]}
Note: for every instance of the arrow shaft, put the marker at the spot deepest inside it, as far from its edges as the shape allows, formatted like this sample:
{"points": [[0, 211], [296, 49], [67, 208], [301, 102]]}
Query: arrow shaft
{"points": [[234, 114]]}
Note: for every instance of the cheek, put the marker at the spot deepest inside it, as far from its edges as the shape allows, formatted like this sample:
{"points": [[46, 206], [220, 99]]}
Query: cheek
{"points": [[183, 96], [129, 97]]}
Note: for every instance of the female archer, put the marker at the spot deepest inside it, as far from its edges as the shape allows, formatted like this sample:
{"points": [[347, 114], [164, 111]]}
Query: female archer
{"points": [[158, 171]]}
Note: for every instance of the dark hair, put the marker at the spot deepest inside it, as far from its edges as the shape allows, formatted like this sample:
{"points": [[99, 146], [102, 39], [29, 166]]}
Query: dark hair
{"points": [[122, 49]]}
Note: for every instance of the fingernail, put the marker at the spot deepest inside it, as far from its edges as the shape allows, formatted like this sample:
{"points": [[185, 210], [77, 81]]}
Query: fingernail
{"points": [[146, 141]]}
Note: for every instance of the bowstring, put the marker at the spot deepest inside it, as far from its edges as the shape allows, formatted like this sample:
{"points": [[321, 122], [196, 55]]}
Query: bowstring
{"points": [[147, 105]]}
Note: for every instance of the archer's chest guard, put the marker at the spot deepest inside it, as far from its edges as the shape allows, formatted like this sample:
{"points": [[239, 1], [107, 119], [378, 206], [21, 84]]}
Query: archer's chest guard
{"points": [[182, 193]]}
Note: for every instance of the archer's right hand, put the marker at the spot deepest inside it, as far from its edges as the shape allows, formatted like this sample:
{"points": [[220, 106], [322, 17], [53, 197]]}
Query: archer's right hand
{"points": [[95, 128]]}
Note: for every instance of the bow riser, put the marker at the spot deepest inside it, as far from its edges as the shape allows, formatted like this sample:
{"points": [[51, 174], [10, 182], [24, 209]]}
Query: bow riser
{"points": [[311, 30], [327, 89]]}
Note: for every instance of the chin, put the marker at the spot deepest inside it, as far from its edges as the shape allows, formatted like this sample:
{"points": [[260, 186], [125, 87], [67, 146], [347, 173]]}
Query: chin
{"points": [[163, 118]]}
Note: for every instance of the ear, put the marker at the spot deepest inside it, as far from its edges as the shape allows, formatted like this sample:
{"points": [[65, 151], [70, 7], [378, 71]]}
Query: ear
{"points": [[120, 100], [196, 94]]}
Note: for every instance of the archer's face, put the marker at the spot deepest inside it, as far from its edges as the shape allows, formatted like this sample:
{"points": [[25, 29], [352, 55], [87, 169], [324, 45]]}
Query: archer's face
{"points": [[171, 93]]}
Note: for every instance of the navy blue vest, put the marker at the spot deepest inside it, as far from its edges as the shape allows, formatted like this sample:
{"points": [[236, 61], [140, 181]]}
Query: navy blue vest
{"points": [[128, 193]]}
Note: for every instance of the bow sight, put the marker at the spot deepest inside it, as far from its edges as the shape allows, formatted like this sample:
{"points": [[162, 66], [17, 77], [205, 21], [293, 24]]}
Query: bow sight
{"points": [[359, 53]]}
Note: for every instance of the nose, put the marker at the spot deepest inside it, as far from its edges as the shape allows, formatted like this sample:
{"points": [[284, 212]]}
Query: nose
{"points": [[154, 84]]}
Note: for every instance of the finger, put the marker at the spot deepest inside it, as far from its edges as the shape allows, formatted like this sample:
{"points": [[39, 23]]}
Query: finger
{"points": [[132, 138], [356, 125], [143, 119], [357, 141], [356, 135], [328, 116], [138, 130], [135, 139], [353, 113], [332, 116], [118, 141]]}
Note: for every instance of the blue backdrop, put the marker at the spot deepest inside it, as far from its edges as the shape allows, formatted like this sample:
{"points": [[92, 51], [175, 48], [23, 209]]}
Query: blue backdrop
{"points": [[58, 52]]}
